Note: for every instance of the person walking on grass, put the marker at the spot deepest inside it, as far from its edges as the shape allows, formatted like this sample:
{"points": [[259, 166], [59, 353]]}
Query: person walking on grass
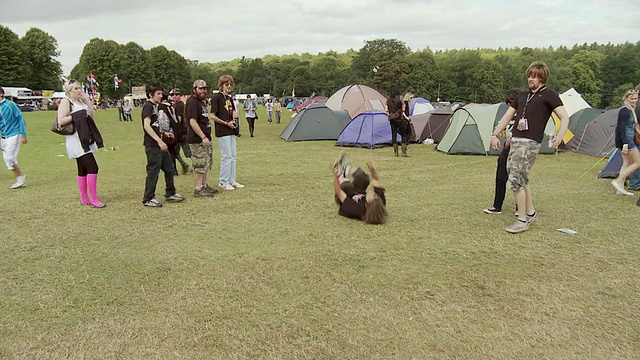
{"points": [[250, 109], [351, 196], [532, 110], [158, 157], [14, 133], [77, 108], [278, 109], [626, 128], [199, 138], [269, 106], [180, 130], [223, 113], [501, 169]]}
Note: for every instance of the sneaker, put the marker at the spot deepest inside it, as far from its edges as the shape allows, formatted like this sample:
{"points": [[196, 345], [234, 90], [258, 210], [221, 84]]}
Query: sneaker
{"points": [[227, 186], [20, 180], [532, 218], [627, 193], [202, 193], [492, 210], [153, 203], [210, 189], [174, 198], [237, 185], [517, 227]]}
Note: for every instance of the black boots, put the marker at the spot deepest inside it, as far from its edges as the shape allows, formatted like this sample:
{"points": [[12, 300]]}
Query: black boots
{"points": [[404, 151], [395, 149]]}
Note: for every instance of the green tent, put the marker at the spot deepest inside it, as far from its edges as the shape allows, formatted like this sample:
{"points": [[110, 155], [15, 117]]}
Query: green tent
{"points": [[470, 129], [316, 122]]}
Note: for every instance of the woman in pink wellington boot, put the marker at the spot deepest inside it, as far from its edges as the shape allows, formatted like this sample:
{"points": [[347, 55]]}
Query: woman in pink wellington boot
{"points": [[76, 108]]}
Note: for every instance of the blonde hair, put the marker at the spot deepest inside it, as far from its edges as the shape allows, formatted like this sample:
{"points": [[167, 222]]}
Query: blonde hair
{"points": [[68, 86], [408, 96], [626, 97], [540, 70], [223, 80]]}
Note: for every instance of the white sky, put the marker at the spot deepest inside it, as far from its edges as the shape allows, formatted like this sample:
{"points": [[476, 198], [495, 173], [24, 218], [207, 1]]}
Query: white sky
{"points": [[212, 31]]}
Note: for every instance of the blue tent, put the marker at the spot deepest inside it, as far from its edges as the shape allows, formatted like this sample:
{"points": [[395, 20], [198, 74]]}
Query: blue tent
{"points": [[613, 166], [419, 106], [369, 129]]}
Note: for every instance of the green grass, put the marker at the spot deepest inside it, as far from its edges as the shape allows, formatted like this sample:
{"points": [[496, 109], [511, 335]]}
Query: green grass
{"points": [[271, 271]]}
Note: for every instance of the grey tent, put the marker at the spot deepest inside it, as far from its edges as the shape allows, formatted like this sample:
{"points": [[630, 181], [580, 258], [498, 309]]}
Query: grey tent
{"points": [[431, 125], [316, 122], [597, 138]]}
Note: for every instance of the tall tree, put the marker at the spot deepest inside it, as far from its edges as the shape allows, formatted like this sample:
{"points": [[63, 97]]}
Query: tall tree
{"points": [[41, 52], [135, 68], [379, 54], [103, 59], [586, 78], [13, 61]]}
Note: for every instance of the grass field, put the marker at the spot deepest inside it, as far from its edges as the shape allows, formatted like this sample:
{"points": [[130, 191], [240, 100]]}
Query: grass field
{"points": [[272, 272]]}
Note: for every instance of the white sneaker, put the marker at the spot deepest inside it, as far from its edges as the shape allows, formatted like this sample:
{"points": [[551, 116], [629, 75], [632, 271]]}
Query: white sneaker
{"points": [[237, 185], [227, 186], [20, 180]]}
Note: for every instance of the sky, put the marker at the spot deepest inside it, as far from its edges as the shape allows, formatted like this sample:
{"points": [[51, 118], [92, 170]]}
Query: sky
{"points": [[212, 31]]}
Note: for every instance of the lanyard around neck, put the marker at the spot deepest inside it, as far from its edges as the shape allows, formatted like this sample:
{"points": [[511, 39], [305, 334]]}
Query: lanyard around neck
{"points": [[530, 97]]}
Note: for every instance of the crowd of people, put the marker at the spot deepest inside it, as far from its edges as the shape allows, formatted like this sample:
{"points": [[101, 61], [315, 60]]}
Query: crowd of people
{"points": [[171, 127]]}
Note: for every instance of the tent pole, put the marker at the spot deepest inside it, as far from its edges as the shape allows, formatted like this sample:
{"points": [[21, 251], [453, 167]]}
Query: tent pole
{"points": [[597, 162]]}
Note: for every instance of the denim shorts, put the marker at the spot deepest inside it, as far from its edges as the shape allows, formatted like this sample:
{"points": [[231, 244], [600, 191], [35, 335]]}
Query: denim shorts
{"points": [[630, 137]]}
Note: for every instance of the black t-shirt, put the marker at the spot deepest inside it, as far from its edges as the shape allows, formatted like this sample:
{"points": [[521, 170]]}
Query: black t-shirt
{"points": [[394, 106], [356, 209], [180, 130], [150, 110], [538, 111], [222, 106], [196, 109]]}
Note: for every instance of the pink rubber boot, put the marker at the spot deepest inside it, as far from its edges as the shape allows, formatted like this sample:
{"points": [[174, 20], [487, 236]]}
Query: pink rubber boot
{"points": [[82, 185], [92, 183]]}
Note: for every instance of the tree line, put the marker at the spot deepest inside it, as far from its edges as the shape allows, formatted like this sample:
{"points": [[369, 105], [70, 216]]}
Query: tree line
{"points": [[600, 72]]}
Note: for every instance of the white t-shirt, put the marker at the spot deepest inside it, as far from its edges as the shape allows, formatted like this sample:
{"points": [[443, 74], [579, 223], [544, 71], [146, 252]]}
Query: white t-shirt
{"points": [[74, 147]]}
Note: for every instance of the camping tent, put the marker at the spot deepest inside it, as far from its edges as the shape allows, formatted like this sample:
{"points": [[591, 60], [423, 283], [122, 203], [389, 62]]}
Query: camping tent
{"points": [[470, 131], [314, 100], [612, 169], [579, 120], [356, 99], [572, 102], [369, 129], [419, 106], [598, 136], [316, 123], [432, 125]]}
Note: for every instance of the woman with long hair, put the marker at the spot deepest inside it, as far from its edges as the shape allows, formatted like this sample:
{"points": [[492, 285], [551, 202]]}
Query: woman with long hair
{"points": [[625, 141], [352, 197], [395, 109], [77, 108]]}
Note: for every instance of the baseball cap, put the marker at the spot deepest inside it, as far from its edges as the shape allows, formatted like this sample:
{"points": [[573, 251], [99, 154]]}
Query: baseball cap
{"points": [[175, 91], [199, 83]]}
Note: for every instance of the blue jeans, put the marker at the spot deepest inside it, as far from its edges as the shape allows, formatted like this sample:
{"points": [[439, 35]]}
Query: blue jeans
{"points": [[227, 145]]}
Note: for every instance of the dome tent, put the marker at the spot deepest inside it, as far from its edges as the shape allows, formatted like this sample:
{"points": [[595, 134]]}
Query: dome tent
{"points": [[369, 129], [356, 99]]}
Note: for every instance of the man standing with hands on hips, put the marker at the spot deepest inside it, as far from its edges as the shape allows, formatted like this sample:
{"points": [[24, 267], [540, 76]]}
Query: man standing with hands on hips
{"points": [[532, 110], [223, 113]]}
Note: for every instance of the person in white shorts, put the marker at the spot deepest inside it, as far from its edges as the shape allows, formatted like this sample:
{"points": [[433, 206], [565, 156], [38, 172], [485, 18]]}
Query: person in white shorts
{"points": [[14, 132]]}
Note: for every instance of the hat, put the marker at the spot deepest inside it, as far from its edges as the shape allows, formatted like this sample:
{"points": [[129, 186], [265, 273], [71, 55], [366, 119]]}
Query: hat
{"points": [[175, 91], [199, 83]]}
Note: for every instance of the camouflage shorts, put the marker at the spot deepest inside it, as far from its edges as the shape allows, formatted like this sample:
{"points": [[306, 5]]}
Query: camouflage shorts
{"points": [[201, 157], [522, 156]]}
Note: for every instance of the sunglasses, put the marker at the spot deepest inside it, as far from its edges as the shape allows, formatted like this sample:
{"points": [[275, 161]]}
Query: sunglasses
{"points": [[202, 88], [633, 91]]}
